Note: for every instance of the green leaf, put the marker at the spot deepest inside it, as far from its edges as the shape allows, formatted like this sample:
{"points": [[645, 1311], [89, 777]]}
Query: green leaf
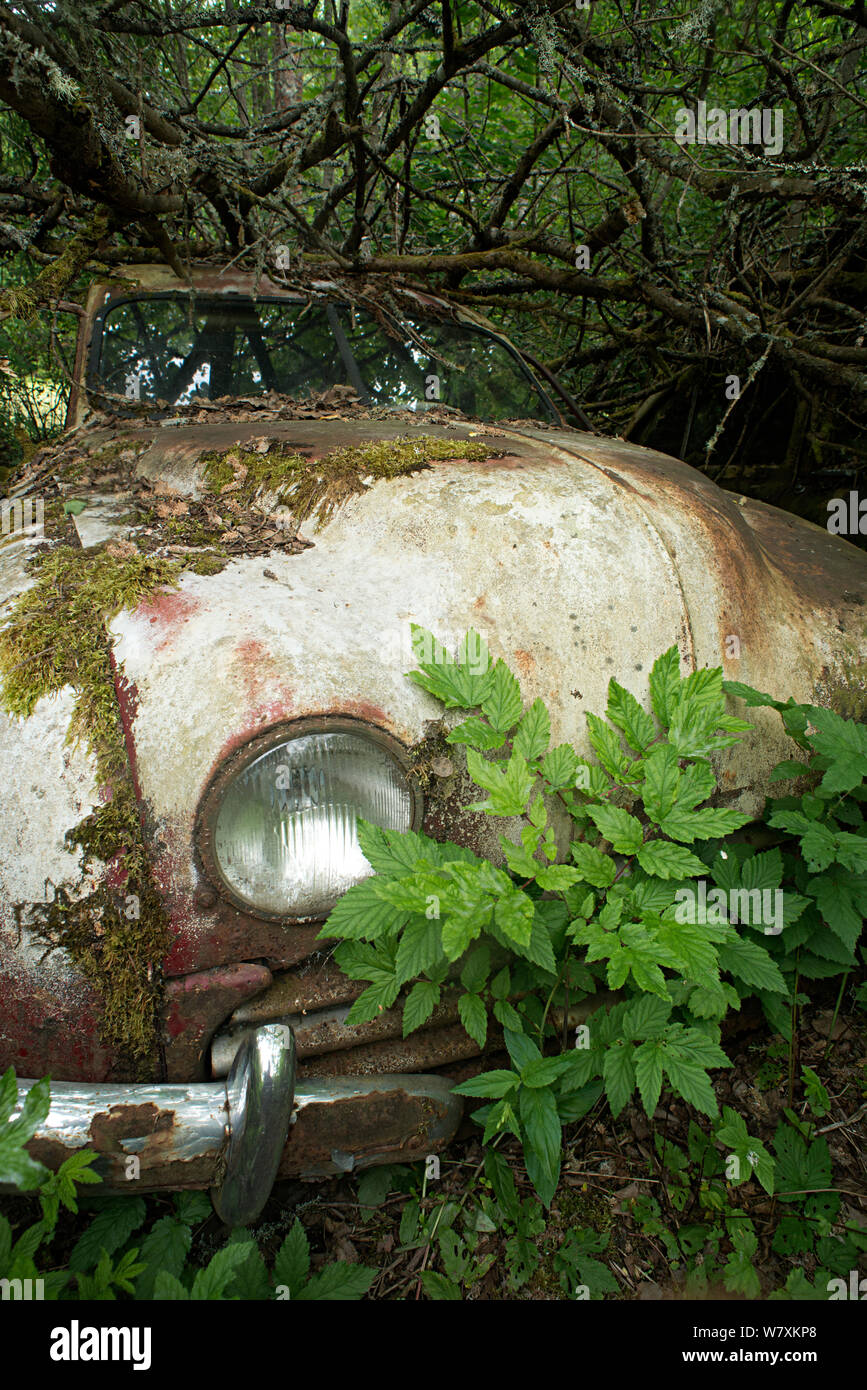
{"points": [[373, 1002], [751, 1153], [250, 1281], [618, 1072], [521, 1049], [662, 859], [596, 868], [844, 743], [665, 684], [800, 1166], [473, 1017], [493, 1085], [702, 693], [648, 1073], [497, 1119], [212, 1281], [503, 704], [560, 767], [514, 916], [750, 962], [420, 1004], [788, 768], [477, 733], [544, 1071], [391, 852], [168, 1287], [459, 685], [506, 1015], [542, 1140], [623, 830], [419, 949], [108, 1231], [697, 782], [557, 878], [841, 903], [646, 1017], [625, 711], [753, 698], [476, 971], [661, 780], [539, 948], [362, 914], [534, 732], [164, 1248], [337, 1283], [292, 1263], [689, 1079], [439, 1288], [501, 984], [606, 746], [709, 824], [509, 788], [16, 1165], [193, 1208]]}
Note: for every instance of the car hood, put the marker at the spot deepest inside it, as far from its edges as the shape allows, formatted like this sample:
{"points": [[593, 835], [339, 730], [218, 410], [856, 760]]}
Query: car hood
{"points": [[577, 558]]}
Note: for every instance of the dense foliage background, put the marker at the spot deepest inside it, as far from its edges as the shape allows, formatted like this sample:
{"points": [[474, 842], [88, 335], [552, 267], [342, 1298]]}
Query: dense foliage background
{"points": [[475, 147]]}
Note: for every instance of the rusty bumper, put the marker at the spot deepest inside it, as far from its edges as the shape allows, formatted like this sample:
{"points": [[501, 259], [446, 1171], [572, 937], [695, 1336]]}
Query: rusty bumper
{"points": [[237, 1136]]}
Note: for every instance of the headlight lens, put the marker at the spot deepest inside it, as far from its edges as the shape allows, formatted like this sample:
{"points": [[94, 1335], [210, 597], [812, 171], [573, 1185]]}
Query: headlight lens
{"points": [[285, 836]]}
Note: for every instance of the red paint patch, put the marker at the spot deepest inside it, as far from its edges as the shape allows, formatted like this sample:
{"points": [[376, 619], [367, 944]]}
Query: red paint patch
{"points": [[168, 607]]}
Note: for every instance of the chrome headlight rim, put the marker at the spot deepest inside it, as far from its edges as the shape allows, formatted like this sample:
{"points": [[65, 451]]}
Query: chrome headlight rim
{"points": [[245, 754]]}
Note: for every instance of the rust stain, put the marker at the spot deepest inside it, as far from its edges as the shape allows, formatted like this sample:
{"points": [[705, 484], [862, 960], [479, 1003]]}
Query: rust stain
{"points": [[370, 1127], [362, 709], [525, 662], [194, 1008], [109, 1127]]}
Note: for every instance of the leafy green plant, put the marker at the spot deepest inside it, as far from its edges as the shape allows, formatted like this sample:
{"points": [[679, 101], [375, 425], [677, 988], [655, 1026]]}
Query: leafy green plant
{"points": [[55, 1189], [581, 1274], [825, 839], [16, 1165], [613, 916]]}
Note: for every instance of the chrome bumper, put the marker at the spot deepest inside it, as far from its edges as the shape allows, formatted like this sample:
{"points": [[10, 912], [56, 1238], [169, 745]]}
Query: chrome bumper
{"points": [[237, 1136]]}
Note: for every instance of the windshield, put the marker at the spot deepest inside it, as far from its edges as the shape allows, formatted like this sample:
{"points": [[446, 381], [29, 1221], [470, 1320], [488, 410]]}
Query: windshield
{"points": [[174, 350]]}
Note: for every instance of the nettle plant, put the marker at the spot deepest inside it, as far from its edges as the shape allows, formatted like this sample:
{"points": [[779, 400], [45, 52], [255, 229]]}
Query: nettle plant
{"points": [[528, 942]]}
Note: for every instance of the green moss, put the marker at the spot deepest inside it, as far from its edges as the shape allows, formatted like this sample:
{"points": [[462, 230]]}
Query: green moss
{"points": [[56, 637], [319, 486], [208, 564], [187, 531]]}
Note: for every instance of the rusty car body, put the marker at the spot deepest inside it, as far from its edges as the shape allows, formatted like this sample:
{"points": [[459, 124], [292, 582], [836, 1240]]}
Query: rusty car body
{"points": [[578, 558]]}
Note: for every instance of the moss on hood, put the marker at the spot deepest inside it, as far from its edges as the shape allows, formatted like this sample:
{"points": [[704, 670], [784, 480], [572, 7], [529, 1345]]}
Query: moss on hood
{"points": [[56, 637], [319, 486]]}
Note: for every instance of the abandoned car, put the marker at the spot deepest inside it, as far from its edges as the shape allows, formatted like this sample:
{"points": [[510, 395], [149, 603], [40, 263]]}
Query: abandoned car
{"points": [[181, 784]]}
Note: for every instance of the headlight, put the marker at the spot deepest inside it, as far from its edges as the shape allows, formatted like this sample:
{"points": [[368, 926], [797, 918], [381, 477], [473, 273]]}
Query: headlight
{"points": [[279, 825]]}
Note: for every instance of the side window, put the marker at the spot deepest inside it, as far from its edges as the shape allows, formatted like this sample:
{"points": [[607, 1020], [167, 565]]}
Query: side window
{"points": [[36, 365]]}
